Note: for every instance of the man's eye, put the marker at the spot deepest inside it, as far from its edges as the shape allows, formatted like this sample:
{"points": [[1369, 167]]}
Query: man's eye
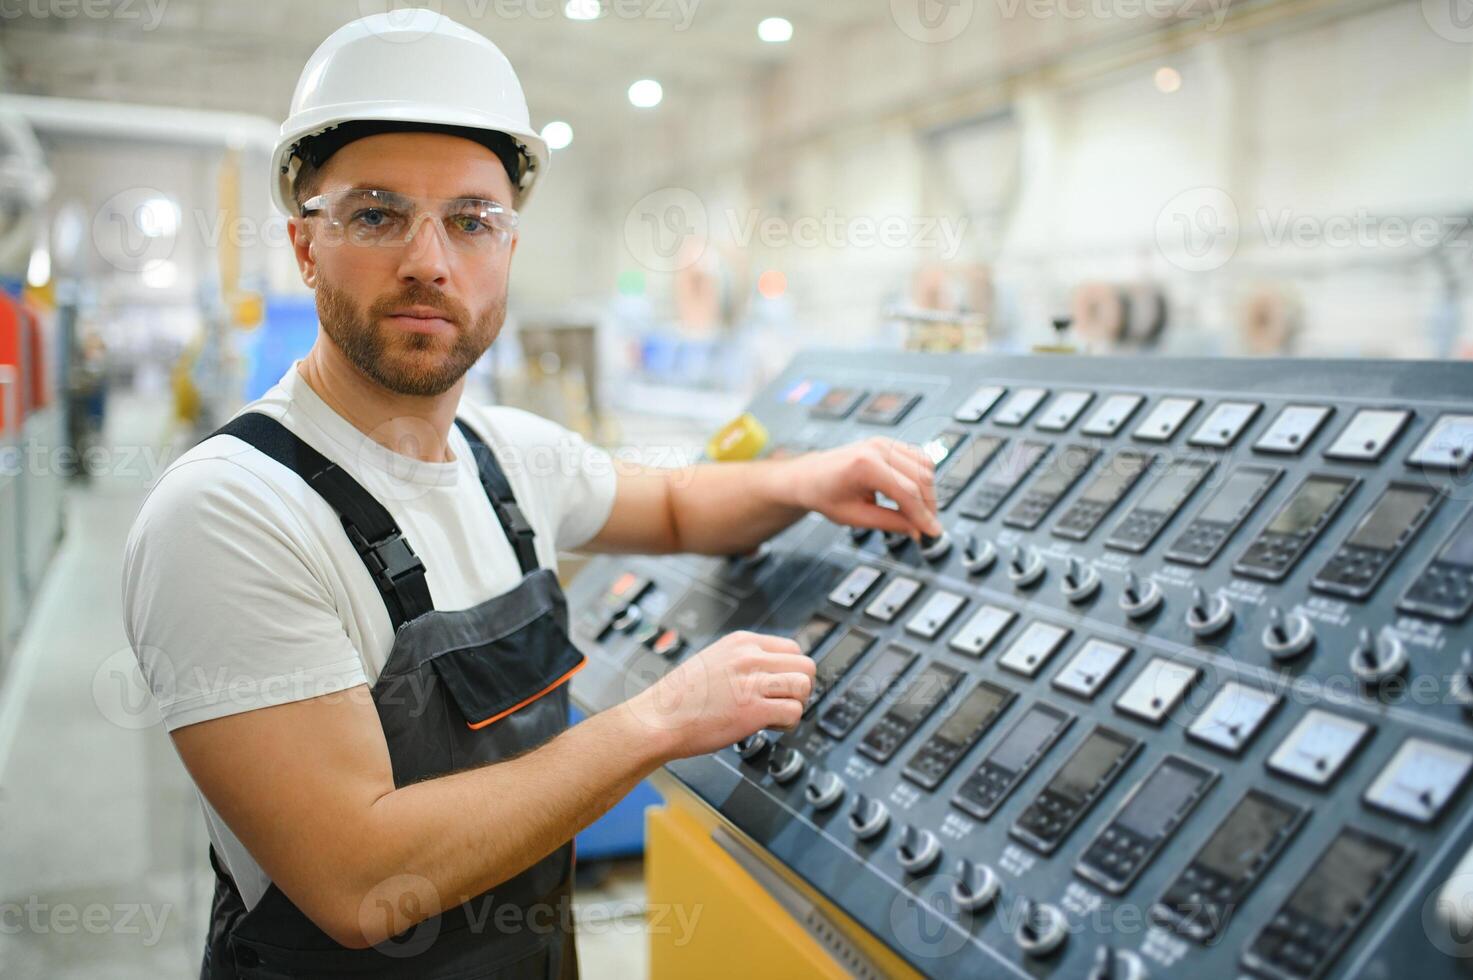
{"points": [[373, 217], [468, 224]]}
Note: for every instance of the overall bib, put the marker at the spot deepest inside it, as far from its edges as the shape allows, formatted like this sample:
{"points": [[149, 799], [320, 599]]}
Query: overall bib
{"points": [[459, 689]]}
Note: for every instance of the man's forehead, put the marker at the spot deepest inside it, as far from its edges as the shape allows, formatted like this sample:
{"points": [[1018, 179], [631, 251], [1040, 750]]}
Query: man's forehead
{"points": [[419, 164]]}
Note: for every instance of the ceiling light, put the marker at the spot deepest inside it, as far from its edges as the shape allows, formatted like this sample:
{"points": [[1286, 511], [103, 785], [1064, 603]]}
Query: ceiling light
{"points": [[583, 9], [160, 274], [775, 30], [1168, 79], [558, 135], [646, 93]]}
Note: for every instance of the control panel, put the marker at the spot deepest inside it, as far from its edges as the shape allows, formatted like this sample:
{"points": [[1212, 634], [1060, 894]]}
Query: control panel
{"points": [[1183, 690]]}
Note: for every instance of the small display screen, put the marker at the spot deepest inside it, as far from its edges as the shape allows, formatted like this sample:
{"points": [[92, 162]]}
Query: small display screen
{"points": [[974, 457], [836, 663], [1315, 498], [941, 446], [1241, 491], [924, 693], [1025, 739], [978, 710], [1342, 880], [1091, 762], [1067, 466], [1239, 843], [1158, 801], [878, 675], [1397, 511], [1016, 464], [1459, 547], [1116, 477], [1174, 487], [814, 632]]}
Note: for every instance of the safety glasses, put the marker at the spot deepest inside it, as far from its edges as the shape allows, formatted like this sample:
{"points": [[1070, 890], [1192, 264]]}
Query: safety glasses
{"points": [[383, 218]]}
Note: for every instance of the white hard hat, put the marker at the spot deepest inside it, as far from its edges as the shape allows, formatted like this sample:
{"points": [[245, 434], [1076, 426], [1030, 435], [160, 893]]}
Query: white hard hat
{"points": [[413, 66]]}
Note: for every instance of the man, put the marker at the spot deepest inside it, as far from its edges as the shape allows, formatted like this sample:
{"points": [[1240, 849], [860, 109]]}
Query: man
{"points": [[344, 600]]}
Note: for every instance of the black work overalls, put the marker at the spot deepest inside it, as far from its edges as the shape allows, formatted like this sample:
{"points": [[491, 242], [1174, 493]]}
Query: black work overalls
{"points": [[459, 689]]}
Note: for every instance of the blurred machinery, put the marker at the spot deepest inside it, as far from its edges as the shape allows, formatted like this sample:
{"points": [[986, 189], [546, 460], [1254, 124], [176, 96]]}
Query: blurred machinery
{"points": [[32, 423]]}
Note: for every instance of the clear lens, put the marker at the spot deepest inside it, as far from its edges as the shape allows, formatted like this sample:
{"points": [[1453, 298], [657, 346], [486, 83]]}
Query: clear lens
{"points": [[383, 218]]}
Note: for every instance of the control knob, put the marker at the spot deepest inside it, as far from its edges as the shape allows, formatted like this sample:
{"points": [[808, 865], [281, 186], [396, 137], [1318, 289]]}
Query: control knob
{"points": [[917, 850], [1208, 616], [895, 540], [1139, 600], [1025, 567], [751, 746], [859, 535], [1117, 964], [786, 764], [824, 788], [1377, 659], [976, 885], [1287, 636], [935, 548], [1080, 582], [1041, 928], [977, 556], [868, 818]]}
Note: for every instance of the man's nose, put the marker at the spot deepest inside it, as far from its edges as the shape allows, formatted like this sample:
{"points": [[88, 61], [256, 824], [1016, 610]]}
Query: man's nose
{"points": [[425, 257]]}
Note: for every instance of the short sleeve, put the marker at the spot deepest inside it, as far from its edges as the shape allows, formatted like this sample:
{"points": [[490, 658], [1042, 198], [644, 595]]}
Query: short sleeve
{"points": [[225, 604], [570, 480]]}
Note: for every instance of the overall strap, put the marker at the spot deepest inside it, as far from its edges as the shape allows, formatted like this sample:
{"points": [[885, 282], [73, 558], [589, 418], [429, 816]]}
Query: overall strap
{"points": [[396, 569], [518, 530]]}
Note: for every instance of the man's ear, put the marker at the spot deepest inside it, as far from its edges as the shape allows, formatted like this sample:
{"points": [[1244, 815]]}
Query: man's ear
{"points": [[296, 230]]}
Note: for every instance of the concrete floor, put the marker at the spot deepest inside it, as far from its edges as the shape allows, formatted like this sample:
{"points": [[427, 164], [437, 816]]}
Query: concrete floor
{"points": [[103, 868]]}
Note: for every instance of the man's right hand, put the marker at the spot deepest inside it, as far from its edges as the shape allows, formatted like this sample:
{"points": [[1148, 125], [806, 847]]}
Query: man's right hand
{"points": [[742, 683]]}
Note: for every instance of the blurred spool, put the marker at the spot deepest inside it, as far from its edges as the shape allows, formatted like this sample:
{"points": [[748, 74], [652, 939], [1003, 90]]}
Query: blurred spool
{"points": [[1098, 312], [1145, 316], [1269, 321]]}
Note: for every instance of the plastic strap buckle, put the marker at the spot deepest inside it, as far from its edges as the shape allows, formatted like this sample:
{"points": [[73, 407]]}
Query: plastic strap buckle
{"points": [[390, 559]]}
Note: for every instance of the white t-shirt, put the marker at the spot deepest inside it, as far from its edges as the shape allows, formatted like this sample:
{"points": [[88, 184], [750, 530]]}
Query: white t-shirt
{"points": [[241, 589]]}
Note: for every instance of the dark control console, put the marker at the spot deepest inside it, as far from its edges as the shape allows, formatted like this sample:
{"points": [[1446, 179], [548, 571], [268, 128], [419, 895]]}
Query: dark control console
{"points": [[1184, 690]]}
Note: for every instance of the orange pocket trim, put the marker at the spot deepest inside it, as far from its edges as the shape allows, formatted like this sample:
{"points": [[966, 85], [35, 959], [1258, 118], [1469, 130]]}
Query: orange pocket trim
{"points": [[476, 726]]}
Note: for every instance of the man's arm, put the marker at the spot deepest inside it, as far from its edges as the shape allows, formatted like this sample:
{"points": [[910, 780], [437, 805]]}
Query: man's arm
{"points": [[731, 508], [308, 788]]}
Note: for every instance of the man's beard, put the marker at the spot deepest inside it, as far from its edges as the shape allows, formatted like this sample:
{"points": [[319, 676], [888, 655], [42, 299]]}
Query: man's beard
{"points": [[403, 362]]}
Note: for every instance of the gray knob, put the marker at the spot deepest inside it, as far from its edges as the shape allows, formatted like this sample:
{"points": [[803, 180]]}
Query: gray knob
{"points": [[1208, 616], [868, 818], [824, 788], [1140, 599], [977, 556], [935, 549], [917, 850], [895, 540], [1025, 567], [1118, 964], [1080, 582], [1377, 659], [1287, 637], [751, 746], [1041, 928], [976, 885], [786, 764], [628, 619], [1462, 681], [859, 535]]}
